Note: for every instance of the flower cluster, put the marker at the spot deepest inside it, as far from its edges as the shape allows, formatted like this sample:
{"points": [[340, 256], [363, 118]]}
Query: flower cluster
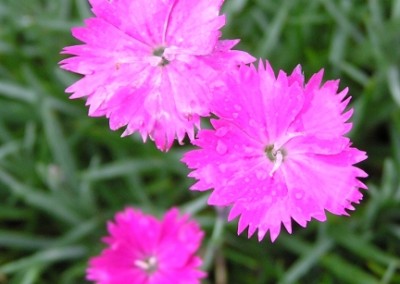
{"points": [[142, 249], [277, 149]]}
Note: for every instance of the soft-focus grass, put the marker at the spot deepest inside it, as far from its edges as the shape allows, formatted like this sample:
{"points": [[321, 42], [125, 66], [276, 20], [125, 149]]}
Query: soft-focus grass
{"points": [[62, 174]]}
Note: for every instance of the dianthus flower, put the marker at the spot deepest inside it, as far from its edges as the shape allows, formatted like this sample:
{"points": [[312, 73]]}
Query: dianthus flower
{"points": [[150, 65], [144, 250], [278, 151]]}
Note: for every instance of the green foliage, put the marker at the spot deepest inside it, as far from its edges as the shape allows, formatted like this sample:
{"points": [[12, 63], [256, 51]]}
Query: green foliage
{"points": [[62, 174]]}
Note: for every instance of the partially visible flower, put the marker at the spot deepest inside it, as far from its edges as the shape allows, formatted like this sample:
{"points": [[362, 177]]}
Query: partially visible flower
{"points": [[278, 151], [149, 65], [144, 250]]}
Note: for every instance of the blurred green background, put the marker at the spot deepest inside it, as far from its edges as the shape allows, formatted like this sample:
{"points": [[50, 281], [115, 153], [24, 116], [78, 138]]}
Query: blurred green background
{"points": [[62, 174]]}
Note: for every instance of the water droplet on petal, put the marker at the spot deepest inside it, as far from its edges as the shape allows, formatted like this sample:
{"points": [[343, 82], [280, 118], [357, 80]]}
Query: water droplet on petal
{"points": [[252, 123], [221, 131], [246, 179], [261, 174], [299, 194], [235, 115], [221, 147], [237, 107]]}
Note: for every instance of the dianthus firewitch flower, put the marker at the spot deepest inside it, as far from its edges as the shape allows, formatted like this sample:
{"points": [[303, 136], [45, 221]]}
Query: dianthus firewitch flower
{"points": [[278, 151], [144, 250], [149, 65]]}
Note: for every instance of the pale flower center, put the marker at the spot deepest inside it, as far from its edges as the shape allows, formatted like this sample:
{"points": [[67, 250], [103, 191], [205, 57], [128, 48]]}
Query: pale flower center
{"points": [[276, 156], [148, 265], [159, 51]]}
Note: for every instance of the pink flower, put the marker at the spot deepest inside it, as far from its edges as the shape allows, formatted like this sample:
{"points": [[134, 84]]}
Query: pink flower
{"points": [[278, 151], [142, 249], [149, 65]]}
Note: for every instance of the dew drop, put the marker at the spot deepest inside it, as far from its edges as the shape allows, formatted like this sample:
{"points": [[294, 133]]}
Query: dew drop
{"points": [[237, 107], [221, 147], [299, 194], [246, 179], [235, 115], [221, 131], [252, 123], [261, 174]]}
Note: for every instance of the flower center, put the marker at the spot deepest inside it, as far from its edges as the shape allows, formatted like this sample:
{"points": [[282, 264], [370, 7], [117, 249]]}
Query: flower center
{"points": [[276, 156], [148, 265], [159, 51]]}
